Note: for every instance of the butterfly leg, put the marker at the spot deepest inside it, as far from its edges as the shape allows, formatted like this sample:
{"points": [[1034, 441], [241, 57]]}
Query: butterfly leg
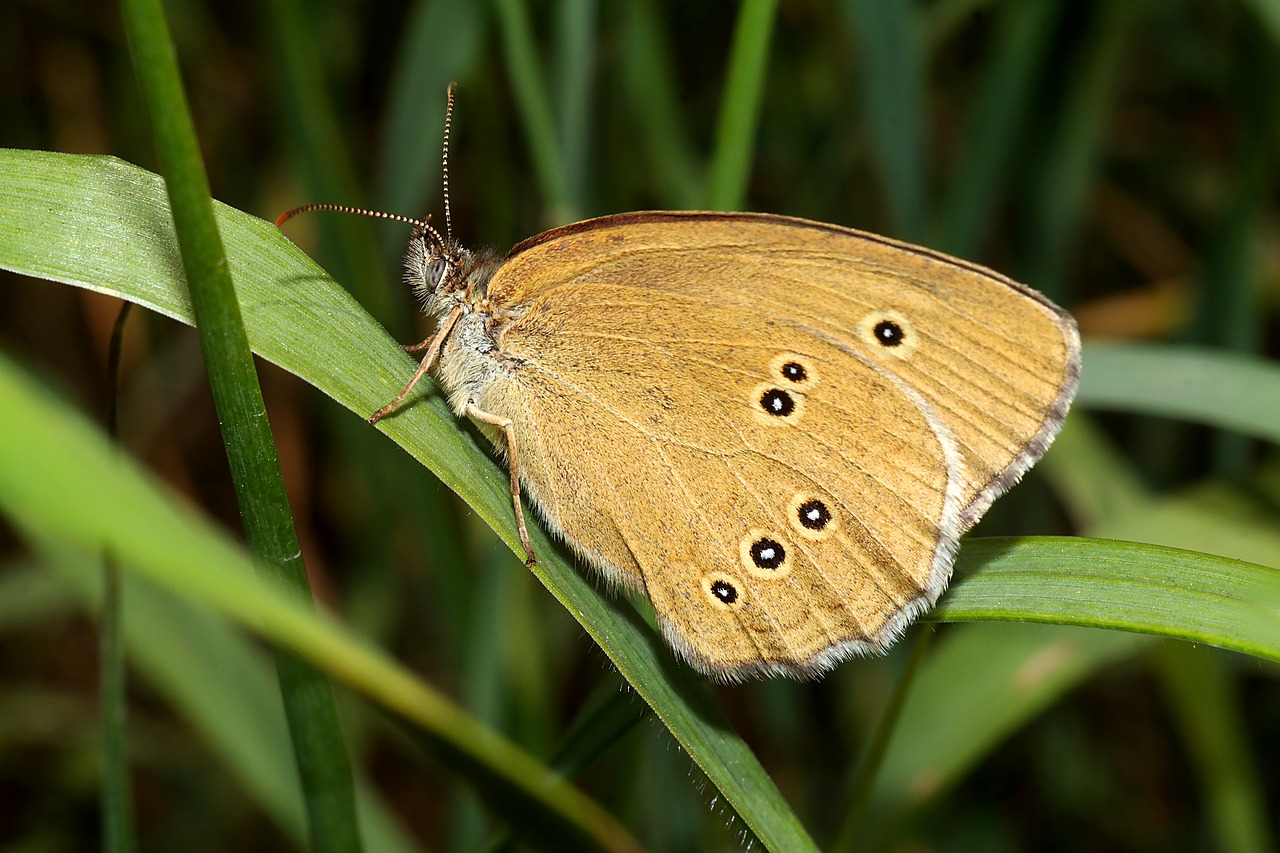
{"points": [[505, 425], [432, 347]]}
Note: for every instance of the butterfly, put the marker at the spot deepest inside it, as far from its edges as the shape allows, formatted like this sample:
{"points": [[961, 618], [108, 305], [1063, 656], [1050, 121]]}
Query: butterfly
{"points": [[775, 429]]}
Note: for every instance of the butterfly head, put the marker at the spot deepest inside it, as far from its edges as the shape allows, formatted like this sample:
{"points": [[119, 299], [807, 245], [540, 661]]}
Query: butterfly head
{"points": [[432, 264], [442, 273]]}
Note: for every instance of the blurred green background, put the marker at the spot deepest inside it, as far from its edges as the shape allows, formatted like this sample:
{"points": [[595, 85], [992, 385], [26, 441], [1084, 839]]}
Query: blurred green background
{"points": [[1119, 156]]}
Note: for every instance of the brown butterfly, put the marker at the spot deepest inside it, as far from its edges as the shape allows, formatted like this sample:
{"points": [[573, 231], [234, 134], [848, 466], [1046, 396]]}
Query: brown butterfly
{"points": [[776, 429]]}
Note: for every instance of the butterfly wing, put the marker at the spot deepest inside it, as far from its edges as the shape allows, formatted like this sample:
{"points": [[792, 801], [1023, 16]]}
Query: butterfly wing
{"points": [[778, 429]]}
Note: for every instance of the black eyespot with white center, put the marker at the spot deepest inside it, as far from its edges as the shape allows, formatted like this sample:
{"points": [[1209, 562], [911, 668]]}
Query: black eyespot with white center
{"points": [[765, 554], [813, 515], [768, 553], [794, 371], [889, 333], [724, 591], [777, 402]]}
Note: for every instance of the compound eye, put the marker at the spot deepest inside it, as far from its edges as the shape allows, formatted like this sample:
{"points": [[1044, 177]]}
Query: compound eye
{"points": [[436, 270]]}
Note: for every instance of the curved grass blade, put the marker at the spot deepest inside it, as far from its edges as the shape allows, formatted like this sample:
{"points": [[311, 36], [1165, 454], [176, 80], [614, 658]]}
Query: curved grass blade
{"points": [[1125, 586]]}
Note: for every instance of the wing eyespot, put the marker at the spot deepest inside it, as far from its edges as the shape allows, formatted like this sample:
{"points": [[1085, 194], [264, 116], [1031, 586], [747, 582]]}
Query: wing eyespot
{"points": [[812, 516], [724, 591], [774, 406], [890, 333], [795, 371], [778, 403], [765, 554]]}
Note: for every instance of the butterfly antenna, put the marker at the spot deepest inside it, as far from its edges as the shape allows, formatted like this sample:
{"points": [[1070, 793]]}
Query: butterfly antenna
{"points": [[424, 224], [448, 123]]}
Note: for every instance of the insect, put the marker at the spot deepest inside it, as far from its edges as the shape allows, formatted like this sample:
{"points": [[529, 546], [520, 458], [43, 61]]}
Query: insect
{"points": [[776, 429]]}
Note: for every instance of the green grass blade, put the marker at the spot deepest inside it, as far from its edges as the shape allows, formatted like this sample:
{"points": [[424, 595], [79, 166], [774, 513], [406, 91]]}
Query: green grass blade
{"points": [[255, 468], [1228, 390], [1206, 706], [528, 81], [891, 71], [1063, 177], [1125, 586], [648, 80], [60, 478], [441, 41], [997, 122], [117, 795], [575, 66], [740, 107], [77, 215]]}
